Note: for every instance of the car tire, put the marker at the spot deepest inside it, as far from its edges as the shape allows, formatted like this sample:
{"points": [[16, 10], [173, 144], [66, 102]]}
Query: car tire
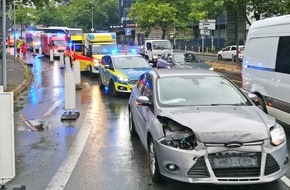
{"points": [[153, 163], [262, 105], [220, 57], [132, 128], [91, 71], [101, 83], [112, 89], [236, 59]]}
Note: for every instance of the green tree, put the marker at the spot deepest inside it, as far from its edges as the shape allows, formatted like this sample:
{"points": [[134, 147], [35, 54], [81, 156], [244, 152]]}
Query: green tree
{"points": [[151, 14], [25, 16], [256, 9], [79, 14]]}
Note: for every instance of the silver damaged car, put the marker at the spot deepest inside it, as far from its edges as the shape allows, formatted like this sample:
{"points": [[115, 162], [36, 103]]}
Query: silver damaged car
{"points": [[199, 127]]}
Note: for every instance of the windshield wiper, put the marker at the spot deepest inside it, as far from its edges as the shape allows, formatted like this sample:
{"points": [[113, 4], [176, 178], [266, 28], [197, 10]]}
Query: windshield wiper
{"points": [[239, 104]]}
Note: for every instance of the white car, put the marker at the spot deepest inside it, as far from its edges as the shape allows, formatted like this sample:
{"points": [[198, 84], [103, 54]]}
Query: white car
{"points": [[230, 52]]}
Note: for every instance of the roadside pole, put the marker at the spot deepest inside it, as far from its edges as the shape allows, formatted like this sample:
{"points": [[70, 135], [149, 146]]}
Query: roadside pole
{"points": [[51, 56], [7, 148], [61, 61], [77, 75], [4, 64], [69, 93]]}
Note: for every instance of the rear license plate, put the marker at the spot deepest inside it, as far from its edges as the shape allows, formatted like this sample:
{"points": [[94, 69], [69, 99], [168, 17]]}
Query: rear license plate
{"points": [[235, 162]]}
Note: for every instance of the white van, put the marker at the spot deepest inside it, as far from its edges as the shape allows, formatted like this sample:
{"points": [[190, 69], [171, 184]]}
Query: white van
{"points": [[266, 65], [154, 48]]}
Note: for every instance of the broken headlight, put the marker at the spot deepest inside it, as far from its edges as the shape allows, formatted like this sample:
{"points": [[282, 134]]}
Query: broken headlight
{"points": [[178, 136]]}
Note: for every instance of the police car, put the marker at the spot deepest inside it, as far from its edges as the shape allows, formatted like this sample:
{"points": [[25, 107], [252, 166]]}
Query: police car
{"points": [[120, 72]]}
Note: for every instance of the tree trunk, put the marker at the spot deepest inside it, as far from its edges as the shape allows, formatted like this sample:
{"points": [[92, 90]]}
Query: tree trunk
{"points": [[163, 33]]}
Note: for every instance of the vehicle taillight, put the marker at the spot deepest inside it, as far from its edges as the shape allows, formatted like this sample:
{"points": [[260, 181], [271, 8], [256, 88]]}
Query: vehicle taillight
{"points": [[239, 52]]}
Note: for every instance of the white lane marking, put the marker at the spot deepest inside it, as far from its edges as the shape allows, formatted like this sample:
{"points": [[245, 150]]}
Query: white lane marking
{"points": [[286, 180], [64, 172], [87, 85], [52, 108]]}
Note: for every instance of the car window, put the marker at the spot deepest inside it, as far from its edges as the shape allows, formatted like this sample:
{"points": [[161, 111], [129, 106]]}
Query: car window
{"points": [[149, 46], [141, 83], [185, 57], [148, 88], [199, 91], [283, 56], [164, 55], [105, 60], [227, 49], [234, 48], [130, 62]]}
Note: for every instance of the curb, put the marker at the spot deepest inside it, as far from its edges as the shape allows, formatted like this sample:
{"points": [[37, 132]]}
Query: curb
{"points": [[26, 82], [226, 67]]}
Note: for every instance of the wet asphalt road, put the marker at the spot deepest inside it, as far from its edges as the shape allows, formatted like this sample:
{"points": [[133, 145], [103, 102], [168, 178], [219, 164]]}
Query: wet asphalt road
{"points": [[108, 157]]}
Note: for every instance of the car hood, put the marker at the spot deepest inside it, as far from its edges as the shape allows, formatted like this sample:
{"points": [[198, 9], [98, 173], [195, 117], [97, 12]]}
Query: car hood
{"points": [[222, 124], [134, 74], [194, 65]]}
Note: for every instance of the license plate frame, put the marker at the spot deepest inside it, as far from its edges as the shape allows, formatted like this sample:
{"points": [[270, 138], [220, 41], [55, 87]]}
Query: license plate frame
{"points": [[245, 161]]}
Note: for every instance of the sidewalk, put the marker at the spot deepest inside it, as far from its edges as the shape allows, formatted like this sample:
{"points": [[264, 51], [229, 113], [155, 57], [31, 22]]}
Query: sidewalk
{"points": [[18, 75]]}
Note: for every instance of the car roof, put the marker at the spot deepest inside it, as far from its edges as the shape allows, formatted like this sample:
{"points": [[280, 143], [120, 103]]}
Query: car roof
{"points": [[124, 55], [183, 71]]}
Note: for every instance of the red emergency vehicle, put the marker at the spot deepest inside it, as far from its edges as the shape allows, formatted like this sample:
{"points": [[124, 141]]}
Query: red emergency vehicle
{"points": [[55, 42]]}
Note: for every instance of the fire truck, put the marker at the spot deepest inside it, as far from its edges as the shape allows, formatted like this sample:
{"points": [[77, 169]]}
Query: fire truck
{"points": [[91, 49], [56, 42]]}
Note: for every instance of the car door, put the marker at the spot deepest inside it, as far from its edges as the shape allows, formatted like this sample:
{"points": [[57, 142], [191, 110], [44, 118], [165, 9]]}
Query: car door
{"points": [[226, 52], [148, 50], [146, 112], [233, 52], [107, 63], [135, 109]]}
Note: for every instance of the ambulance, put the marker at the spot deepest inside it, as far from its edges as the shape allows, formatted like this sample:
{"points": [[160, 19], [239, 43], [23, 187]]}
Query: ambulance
{"points": [[90, 52], [55, 42]]}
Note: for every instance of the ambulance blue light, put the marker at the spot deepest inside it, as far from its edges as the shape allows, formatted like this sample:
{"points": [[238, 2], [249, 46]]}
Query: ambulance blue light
{"points": [[133, 50], [114, 51]]}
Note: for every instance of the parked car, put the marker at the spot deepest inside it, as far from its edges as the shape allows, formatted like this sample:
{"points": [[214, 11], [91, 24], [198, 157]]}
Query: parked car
{"points": [[120, 72], [230, 52], [187, 59], [199, 127]]}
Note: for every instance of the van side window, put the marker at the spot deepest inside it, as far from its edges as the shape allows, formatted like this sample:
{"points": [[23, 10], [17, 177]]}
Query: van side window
{"points": [[283, 55]]}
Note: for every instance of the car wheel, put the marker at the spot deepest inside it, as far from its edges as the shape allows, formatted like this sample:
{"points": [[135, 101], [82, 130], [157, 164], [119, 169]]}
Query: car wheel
{"points": [[112, 89], [91, 71], [220, 57], [236, 59], [100, 82], [132, 128], [153, 164], [262, 105]]}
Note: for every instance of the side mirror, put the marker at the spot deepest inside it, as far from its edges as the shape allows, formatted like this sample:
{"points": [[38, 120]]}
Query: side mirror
{"points": [[143, 101], [253, 97]]}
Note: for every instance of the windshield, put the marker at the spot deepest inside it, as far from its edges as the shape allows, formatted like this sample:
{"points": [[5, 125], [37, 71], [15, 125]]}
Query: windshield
{"points": [[104, 49], [198, 91], [161, 45], [59, 43], [130, 62], [185, 57]]}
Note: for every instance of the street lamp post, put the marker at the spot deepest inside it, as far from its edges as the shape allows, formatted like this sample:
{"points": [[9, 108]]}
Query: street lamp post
{"points": [[92, 29], [14, 28]]}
